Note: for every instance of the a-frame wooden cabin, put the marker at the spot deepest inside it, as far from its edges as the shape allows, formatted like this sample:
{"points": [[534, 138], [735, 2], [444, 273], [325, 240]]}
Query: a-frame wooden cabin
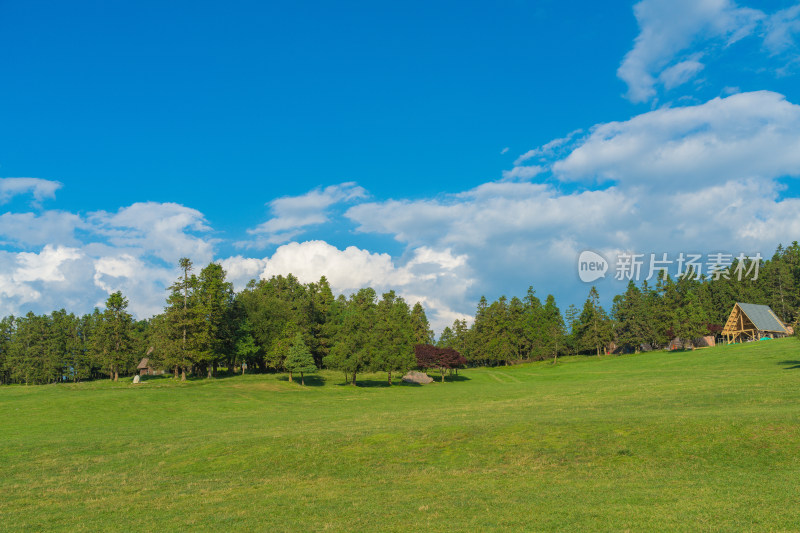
{"points": [[748, 322]]}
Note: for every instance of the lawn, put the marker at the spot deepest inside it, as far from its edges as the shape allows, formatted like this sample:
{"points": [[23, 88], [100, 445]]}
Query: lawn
{"points": [[681, 441]]}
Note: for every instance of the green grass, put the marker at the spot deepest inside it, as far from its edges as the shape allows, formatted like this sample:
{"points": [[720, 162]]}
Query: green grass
{"points": [[682, 441]]}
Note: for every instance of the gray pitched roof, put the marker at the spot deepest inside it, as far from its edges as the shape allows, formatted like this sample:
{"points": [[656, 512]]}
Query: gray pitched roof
{"points": [[762, 317]]}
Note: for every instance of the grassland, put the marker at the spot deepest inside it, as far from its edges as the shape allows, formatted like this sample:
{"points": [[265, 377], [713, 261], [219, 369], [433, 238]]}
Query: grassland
{"points": [[683, 441]]}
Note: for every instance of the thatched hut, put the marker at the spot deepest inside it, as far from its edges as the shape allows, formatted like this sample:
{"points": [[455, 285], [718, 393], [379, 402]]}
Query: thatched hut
{"points": [[144, 368]]}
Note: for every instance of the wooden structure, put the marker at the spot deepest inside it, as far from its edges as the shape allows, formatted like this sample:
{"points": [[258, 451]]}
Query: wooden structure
{"points": [[144, 368], [750, 322]]}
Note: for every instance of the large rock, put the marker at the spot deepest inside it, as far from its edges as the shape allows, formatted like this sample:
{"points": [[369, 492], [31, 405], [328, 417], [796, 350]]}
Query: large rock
{"points": [[417, 377], [136, 379]]}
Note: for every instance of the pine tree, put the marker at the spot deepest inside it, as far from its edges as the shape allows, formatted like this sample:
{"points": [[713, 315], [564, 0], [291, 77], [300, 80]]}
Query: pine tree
{"points": [[182, 321], [353, 345], [595, 329], [419, 324], [394, 336], [113, 338], [631, 318], [299, 359], [214, 332], [553, 323], [692, 320]]}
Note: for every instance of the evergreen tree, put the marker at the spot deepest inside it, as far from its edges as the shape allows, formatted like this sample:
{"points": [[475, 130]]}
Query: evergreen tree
{"points": [[420, 326], [594, 327], [553, 323], [215, 334], [353, 344], [571, 340], [394, 336], [631, 318], [535, 329], [299, 359], [692, 320], [182, 321], [113, 339]]}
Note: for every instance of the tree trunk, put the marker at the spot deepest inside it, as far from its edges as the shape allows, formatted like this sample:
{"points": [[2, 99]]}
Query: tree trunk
{"points": [[390, 377], [175, 372], [302, 381], [442, 374], [214, 369], [116, 375], [208, 372], [183, 373], [290, 377], [354, 379]]}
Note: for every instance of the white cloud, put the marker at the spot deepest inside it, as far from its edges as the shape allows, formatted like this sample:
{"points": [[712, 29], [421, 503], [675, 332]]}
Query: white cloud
{"points": [[239, 270], [440, 274], [745, 135], [108, 271], [781, 29], [161, 229], [668, 28], [347, 270], [292, 214], [45, 265], [30, 229], [548, 149], [40, 189], [523, 172], [680, 73], [70, 261]]}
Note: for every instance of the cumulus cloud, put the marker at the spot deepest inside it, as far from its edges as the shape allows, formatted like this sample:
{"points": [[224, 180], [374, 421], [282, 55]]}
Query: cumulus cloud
{"points": [[293, 214], [745, 135], [30, 229], [440, 274], [683, 179], [240, 270], [165, 230], [39, 188], [56, 259], [45, 265], [670, 28]]}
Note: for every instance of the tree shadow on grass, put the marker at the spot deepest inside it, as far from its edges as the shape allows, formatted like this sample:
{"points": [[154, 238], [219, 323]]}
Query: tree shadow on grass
{"points": [[311, 380], [790, 365], [367, 383], [149, 379]]}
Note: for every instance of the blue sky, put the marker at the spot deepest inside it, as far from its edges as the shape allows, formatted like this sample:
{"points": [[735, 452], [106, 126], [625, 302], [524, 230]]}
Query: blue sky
{"points": [[447, 150]]}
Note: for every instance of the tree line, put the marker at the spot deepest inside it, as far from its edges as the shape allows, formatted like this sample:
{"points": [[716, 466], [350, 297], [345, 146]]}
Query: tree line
{"points": [[277, 324], [645, 316], [282, 325]]}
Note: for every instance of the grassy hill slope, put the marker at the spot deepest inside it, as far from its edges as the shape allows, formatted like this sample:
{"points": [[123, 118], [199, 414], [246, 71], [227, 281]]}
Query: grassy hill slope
{"points": [[686, 441]]}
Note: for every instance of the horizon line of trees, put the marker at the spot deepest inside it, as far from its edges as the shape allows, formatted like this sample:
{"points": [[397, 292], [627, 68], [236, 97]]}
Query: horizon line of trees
{"points": [[282, 325]]}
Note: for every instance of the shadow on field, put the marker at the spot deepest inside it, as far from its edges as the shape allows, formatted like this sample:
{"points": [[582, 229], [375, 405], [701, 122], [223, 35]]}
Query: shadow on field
{"points": [[148, 379], [794, 364], [379, 383], [311, 380]]}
